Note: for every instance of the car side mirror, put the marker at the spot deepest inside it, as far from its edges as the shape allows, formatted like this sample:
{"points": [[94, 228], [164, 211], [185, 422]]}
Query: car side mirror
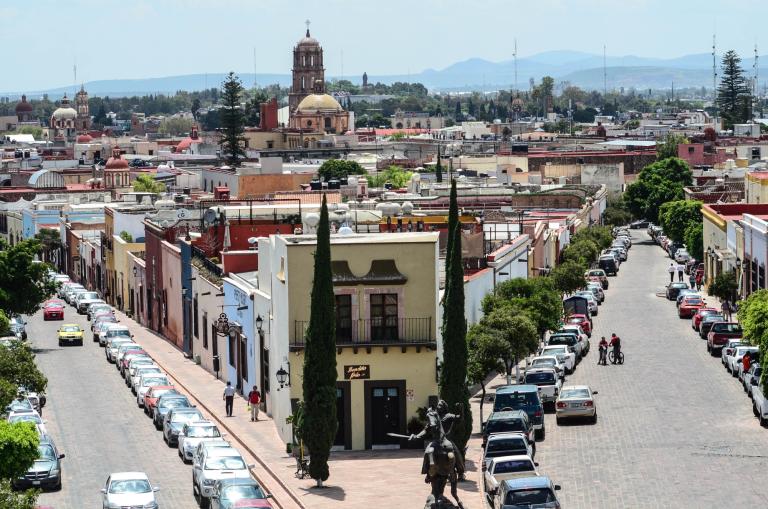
{"points": [[62, 456], [251, 465], [557, 487], [156, 488], [535, 463], [594, 392], [103, 490]]}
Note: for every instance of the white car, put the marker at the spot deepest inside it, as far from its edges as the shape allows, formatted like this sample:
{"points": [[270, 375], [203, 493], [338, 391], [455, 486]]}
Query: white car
{"points": [[110, 349], [597, 290], [203, 446], [566, 357], [141, 370], [548, 361], [729, 348], [583, 337], [192, 434], [124, 347], [145, 382], [71, 294], [575, 401], [734, 360], [504, 468], [134, 364], [68, 286], [128, 489], [28, 416], [116, 331], [760, 404], [507, 444], [82, 300], [682, 256], [216, 464], [547, 380]]}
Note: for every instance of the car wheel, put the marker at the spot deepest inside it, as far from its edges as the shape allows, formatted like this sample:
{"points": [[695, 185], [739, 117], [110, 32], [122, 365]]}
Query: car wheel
{"points": [[761, 419], [734, 373], [594, 418], [540, 434], [558, 421], [754, 409]]}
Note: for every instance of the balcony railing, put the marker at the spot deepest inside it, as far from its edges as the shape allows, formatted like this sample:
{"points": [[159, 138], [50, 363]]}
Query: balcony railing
{"points": [[374, 332]]}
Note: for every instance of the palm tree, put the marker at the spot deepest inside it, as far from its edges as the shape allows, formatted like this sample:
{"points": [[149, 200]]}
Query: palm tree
{"points": [[50, 242], [146, 184]]}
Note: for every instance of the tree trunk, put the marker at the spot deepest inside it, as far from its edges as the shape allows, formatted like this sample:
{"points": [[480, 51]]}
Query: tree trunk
{"points": [[319, 483], [482, 400], [517, 369], [509, 372]]}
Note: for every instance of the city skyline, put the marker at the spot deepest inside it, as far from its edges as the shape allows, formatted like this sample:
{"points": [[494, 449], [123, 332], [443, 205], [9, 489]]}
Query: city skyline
{"points": [[179, 37]]}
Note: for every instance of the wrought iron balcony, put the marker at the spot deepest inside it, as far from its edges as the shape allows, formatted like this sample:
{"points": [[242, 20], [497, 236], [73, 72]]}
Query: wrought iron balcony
{"points": [[373, 332]]}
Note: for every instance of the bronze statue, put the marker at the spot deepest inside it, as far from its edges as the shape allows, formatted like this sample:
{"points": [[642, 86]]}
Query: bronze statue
{"points": [[443, 461]]}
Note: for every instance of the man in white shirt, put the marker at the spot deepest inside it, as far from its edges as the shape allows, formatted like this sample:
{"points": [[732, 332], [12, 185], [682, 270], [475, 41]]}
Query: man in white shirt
{"points": [[671, 271], [229, 396]]}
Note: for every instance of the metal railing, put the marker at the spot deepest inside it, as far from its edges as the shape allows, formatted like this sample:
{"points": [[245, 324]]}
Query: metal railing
{"points": [[199, 254], [374, 331]]}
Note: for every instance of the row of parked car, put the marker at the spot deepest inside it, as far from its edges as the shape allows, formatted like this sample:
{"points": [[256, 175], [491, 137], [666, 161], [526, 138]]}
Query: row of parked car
{"points": [[510, 473], [220, 476]]}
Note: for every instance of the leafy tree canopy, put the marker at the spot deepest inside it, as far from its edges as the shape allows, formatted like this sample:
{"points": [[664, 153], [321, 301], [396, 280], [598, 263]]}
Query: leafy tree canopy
{"points": [[537, 297], [146, 184], [18, 368], [668, 147], [12, 499], [694, 240], [724, 286], [569, 276], [339, 168], [394, 175], [18, 448], [676, 216], [23, 284]]}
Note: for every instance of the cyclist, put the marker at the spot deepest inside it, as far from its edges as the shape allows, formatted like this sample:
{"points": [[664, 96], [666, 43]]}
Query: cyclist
{"points": [[616, 345], [603, 351]]}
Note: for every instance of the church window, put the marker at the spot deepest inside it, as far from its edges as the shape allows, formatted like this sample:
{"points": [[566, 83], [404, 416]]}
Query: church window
{"points": [[303, 85], [327, 122], [309, 123], [311, 59]]}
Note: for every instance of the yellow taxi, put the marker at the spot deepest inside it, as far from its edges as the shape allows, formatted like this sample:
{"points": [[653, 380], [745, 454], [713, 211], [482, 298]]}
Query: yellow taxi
{"points": [[70, 334]]}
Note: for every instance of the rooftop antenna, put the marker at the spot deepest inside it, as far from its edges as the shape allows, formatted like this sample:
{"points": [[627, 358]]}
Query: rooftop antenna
{"points": [[605, 76], [74, 72], [342, 64], [756, 91], [514, 57], [254, 67], [714, 77]]}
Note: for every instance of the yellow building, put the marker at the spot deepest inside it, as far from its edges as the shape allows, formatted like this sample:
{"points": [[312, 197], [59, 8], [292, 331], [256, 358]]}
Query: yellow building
{"points": [[386, 288], [123, 233], [756, 187]]}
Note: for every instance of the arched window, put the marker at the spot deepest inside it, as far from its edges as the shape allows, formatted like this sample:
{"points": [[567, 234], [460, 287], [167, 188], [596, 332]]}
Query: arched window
{"points": [[311, 59], [303, 85], [309, 123]]}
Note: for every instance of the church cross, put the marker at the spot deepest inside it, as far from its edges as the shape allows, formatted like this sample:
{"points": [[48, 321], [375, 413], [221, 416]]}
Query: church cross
{"points": [[307, 22]]}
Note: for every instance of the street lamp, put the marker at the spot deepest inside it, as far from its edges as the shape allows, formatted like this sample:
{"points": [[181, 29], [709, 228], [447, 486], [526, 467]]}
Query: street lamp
{"points": [[284, 377], [135, 272], [259, 322]]}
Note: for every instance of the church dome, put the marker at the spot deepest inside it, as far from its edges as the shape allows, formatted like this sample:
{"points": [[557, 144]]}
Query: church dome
{"points": [[116, 162], [23, 106], [65, 111], [84, 138], [315, 102], [308, 40]]}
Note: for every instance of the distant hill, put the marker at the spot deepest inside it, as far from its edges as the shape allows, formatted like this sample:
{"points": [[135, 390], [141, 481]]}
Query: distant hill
{"points": [[581, 69]]}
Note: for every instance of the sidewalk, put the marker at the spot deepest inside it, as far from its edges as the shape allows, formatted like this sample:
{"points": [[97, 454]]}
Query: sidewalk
{"points": [[358, 478]]}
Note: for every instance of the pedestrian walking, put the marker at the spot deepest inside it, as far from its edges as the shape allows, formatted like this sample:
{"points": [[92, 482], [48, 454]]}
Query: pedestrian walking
{"points": [[603, 352], [680, 272], [671, 271], [254, 400], [747, 361], [699, 277], [692, 280], [726, 308], [229, 397]]}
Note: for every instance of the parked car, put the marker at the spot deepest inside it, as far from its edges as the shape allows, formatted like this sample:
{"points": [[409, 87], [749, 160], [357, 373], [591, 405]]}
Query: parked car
{"points": [[548, 361], [153, 394], [504, 468], [721, 332], [598, 273], [117, 331], [28, 416], [752, 378], [129, 356], [700, 314], [620, 251], [582, 321], [729, 348], [706, 323], [526, 493], [113, 343], [733, 361], [192, 434], [609, 265], [522, 397], [597, 290], [45, 472], [214, 465], [760, 404], [574, 328], [165, 404], [564, 354], [84, 299], [128, 490], [141, 371], [70, 334], [125, 348], [239, 492], [673, 289], [174, 422], [569, 339], [689, 305], [682, 256], [71, 290], [65, 287], [575, 401], [593, 304], [683, 293], [612, 252], [147, 381], [507, 444], [639, 224], [53, 310], [508, 421], [548, 382], [97, 308], [18, 327]]}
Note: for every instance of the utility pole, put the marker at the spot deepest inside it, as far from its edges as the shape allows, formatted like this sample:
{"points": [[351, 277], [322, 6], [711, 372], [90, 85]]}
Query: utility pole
{"points": [[605, 76], [514, 57], [254, 67], [755, 90], [714, 81]]}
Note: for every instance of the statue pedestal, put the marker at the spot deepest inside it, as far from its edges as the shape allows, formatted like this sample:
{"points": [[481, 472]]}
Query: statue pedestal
{"points": [[444, 504]]}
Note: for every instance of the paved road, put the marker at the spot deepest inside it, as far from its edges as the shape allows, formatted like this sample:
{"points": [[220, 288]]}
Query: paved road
{"points": [[674, 429], [94, 420]]}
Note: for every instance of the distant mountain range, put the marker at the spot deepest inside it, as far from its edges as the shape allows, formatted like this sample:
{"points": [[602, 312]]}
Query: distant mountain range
{"points": [[581, 69]]}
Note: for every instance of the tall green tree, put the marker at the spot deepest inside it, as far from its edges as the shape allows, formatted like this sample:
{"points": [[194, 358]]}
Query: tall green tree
{"points": [[319, 382], [453, 374], [583, 252], [438, 167], [17, 369], [536, 297], [677, 215], [12, 499], [232, 120], [694, 240], [339, 168], [569, 276], [486, 350], [146, 184], [23, 284], [734, 98], [18, 448], [50, 242], [668, 147], [517, 331], [657, 183], [725, 286]]}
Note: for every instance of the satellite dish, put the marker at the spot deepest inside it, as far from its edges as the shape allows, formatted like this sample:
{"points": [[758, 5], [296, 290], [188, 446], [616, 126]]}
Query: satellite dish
{"points": [[312, 219], [346, 230], [252, 240], [182, 214], [209, 217]]}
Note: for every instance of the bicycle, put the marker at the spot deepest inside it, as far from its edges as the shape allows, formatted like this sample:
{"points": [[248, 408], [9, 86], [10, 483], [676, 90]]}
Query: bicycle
{"points": [[614, 360]]}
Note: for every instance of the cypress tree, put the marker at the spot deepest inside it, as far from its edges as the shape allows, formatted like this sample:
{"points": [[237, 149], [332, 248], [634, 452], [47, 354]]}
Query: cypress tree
{"points": [[734, 98], [319, 383], [232, 120], [453, 374], [439, 167]]}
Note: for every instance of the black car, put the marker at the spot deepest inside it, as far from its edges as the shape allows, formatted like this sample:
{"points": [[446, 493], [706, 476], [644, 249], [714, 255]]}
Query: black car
{"points": [[641, 223], [164, 405], [608, 264], [508, 421], [45, 472], [707, 322], [673, 289]]}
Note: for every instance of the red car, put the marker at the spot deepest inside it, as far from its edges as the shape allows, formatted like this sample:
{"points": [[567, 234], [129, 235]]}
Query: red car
{"points": [[719, 335], [53, 310], [701, 313], [153, 394], [583, 321], [690, 305]]}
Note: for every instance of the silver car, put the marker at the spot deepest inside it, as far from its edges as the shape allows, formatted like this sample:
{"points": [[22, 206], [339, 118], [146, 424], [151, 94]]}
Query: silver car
{"points": [[575, 401], [112, 345], [145, 382], [192, 434], [128, 490], [174, 422], [100, 328], [214, 465], [83, 299], [141, 370]]}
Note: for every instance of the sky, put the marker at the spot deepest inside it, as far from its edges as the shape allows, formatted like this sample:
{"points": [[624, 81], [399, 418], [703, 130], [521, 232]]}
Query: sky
{"points": [[109, 39]]}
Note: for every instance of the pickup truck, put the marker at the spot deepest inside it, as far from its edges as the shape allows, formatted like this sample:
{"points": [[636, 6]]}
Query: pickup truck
{"points": [[719, 334], [546, 380], [507, 467], [570, 339], [565, 355]]}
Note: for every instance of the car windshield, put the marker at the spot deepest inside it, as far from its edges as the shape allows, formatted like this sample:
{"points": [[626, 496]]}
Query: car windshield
{"points": [[45, 453], [714, 318], [130, 486], [174, 403], [144, 371], [540, 378], [54, 305], [159, 392], [89, 295], [186, 416], [576, 320], [561, 340], [119, 333], [203, 432], [694, 301], [516, 400], [530, 497], [225, 463], [26, 418], [574, 393], [21, 404], [505, 467], [596, 273], [731, 328], [151, 382], [504, 425], [506, 444], [240, 492], [70, 328], [543, 362], [555, 351]]}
